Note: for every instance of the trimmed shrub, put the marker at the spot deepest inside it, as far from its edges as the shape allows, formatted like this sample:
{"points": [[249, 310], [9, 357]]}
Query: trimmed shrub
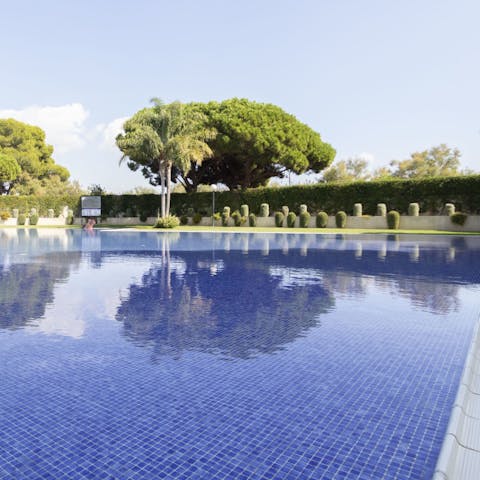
{"points": [[279, 218], [70, 219], [4, 215], [303, 208], [197, 218], [304, 219], [143, 216], [322, 220], [381, 210], [238, 218], [183, 220], [459, 218], [216, 216], [357, 210], [449, 209], [50, 213], [225, 216], [285, 211], [167, 222], [264, 210], [33, 219], [340, 219], [33, 211], [291, 218], [21, 219], [244, 210], [15, 212], [414, 210], [393, 220], [252, 220]]}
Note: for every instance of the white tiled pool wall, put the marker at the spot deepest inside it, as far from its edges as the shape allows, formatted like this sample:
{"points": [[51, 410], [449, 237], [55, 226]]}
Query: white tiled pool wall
{"points": [[460, 455]]}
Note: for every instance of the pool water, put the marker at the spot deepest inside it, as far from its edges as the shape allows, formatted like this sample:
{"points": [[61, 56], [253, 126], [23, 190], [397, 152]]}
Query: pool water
{"points": [[142, 355]]}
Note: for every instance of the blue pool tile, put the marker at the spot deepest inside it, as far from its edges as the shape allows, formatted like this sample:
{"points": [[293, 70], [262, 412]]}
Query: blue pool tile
{"points": [[274, 366]]}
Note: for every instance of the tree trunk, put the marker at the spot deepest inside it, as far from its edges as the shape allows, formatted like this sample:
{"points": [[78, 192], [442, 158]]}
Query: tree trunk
{"points": [[162, 190], [168, 174]]}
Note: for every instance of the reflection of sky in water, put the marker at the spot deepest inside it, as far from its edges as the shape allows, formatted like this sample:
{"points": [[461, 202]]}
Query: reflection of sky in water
{"points": [[345, 347]]}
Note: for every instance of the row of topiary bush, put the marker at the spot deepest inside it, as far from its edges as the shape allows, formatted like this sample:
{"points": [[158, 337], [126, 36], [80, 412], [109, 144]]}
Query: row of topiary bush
{"points": [[321, 219], [32, 216], [21, 218]]}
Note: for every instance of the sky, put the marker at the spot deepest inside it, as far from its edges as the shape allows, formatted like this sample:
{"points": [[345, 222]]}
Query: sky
{"points": [[378, 79]]}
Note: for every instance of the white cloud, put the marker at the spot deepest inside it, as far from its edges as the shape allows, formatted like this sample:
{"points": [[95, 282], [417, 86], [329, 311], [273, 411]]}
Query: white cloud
{"points": [[109, 132], [64, 125]]}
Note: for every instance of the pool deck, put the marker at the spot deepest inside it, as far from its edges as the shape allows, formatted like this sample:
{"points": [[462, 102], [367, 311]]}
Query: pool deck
{"points": [[460, 455]]}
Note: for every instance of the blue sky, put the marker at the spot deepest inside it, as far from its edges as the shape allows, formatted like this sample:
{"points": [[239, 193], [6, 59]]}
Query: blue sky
{"points": [[380, 79]]}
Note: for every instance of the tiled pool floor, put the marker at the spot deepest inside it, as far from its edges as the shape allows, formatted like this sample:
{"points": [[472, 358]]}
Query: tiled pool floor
{"points": [[319, 364]]}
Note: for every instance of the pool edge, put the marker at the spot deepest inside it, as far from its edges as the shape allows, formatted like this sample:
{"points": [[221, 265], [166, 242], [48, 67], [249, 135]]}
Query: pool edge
{"points": [[460, 453]]}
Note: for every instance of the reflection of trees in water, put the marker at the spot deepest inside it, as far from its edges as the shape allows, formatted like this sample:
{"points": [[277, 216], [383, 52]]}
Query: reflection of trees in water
{"points": [[435, 297], [431, 282], [432, 296], [346, 284], [241, 305], [33, 241], [27, 288], [238, 311]]}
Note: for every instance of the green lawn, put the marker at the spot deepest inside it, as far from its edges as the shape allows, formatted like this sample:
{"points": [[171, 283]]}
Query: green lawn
{"points": [[350, 231], [191, 228]]}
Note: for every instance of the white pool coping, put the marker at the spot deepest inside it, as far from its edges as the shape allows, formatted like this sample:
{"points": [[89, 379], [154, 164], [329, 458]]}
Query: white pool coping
{"points": [[459, 457]]}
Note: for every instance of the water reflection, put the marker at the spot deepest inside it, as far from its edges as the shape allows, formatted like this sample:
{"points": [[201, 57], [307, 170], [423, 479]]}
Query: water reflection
{"points": [[238, 310], [27, 288], [237, 295]]}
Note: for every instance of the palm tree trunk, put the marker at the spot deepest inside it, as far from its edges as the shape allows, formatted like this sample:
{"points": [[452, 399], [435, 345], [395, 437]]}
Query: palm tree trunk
{"points": [[162, 190], [168, 174]]}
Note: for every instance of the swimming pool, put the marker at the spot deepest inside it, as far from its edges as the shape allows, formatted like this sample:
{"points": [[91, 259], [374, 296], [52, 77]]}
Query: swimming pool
{"points": [[145, 355]]}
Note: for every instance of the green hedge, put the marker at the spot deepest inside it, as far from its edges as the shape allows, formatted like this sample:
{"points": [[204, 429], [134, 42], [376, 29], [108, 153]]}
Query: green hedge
{"points": [[41, 203], [431, 194]]}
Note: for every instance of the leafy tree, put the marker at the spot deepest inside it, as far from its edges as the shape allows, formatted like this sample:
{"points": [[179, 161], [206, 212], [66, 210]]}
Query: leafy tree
{"points": [[440, 161], [349, 170], [164, 137], [96, 189], [382, 173], [26, 145], [256, 142], [55, 186], [9, 171]]}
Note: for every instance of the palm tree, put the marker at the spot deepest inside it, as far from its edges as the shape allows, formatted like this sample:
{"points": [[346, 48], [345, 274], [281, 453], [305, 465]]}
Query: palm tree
{"points": [[164, 136]]}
